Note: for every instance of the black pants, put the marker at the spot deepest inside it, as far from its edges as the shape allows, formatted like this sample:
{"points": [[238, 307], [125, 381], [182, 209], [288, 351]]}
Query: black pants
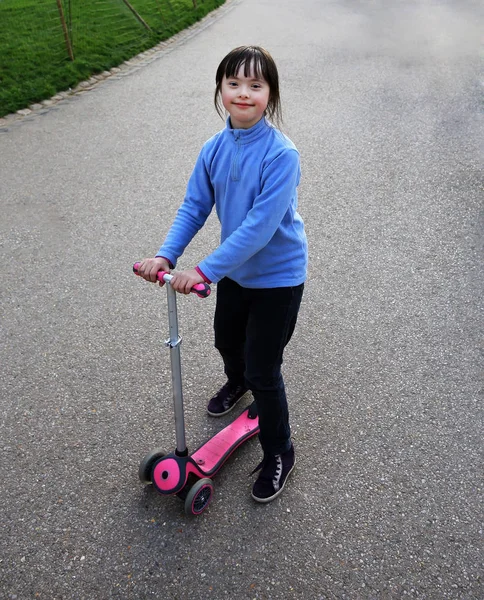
{"points": [[252, 327]]}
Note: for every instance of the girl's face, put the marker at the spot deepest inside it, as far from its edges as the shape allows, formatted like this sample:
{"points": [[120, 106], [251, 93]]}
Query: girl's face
{"points": [[245, 98]]}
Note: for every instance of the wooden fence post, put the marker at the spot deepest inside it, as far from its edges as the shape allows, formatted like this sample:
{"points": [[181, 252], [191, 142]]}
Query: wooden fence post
{"points": [[137, 15], [64, 28]]}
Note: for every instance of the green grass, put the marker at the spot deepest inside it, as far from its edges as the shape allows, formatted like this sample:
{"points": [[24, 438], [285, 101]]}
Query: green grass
{"points": [[34, 61]]}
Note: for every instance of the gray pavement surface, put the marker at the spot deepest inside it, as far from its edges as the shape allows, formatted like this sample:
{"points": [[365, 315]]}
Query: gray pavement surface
{"points": [[384, 374]]}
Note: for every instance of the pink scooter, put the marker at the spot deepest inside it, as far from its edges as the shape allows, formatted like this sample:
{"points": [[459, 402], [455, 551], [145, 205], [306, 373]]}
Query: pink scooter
{"points": [[179, 473]]}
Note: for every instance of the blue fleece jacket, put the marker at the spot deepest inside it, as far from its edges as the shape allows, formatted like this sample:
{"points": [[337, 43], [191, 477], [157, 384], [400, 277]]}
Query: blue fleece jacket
{"points": [[251, 175]]}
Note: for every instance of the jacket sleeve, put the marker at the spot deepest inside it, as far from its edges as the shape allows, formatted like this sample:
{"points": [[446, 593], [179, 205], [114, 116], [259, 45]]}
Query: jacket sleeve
{"points": [[192, 214], [279, 181]]}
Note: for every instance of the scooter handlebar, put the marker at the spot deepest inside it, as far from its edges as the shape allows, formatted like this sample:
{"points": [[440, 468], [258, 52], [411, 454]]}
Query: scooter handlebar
{"points": [[202, 290]]}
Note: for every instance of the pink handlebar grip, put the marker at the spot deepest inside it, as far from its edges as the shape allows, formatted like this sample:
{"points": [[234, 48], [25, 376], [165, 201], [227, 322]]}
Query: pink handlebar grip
{"points": [[202, 290]]}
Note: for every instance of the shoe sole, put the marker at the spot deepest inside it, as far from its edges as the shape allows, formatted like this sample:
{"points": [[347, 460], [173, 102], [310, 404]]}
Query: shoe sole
{"points": [[228, 410], [273, 497]]}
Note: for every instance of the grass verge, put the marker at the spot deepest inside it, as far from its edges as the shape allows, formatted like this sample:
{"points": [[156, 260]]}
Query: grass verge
{"points": [[34, 55]]}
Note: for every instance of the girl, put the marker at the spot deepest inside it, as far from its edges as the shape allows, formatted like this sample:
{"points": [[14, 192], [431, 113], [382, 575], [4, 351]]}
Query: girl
{"points": [[250, 172]]}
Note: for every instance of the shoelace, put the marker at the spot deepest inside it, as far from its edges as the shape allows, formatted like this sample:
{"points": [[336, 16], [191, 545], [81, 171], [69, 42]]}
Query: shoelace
{"points": [[231, 391], [231, 395], [263, 463], [270, 474]]}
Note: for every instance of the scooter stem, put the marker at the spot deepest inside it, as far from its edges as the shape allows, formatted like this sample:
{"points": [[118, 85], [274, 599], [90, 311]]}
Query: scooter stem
{"points": [[174, 344]]}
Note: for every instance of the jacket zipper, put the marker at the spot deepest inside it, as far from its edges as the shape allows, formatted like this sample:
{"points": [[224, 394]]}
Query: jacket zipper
{"points": [[235, 161]]}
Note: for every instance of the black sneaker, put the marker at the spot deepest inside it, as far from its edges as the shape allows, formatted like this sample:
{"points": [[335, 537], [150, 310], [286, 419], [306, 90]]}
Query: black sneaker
{"points": [[226, 399], [273, 476]]}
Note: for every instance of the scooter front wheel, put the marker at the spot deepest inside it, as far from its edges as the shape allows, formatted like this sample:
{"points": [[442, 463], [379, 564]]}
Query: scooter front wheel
{"points": [[199, 497], [145, 470]]}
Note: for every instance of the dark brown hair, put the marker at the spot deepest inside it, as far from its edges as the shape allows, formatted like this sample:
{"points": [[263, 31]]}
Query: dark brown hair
{"points": [[258, 60]]}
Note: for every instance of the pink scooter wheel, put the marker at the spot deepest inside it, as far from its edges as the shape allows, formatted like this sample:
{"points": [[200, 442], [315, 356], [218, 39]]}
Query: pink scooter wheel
{"points": [[199, 497], [146, 466]]}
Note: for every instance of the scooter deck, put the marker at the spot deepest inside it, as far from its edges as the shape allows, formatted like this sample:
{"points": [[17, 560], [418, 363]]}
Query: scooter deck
{"points": [[211, 456], [171, 472]]}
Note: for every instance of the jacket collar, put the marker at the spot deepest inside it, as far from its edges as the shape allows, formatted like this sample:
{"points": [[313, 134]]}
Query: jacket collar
{"points": [[247, 136]]}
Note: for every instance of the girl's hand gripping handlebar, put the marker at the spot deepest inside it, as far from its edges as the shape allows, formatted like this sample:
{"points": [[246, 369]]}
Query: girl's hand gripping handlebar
{"points": [[202, 290]]}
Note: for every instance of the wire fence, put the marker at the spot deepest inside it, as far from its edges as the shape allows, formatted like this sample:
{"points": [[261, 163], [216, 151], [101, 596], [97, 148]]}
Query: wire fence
{"points": [[50, 45]]}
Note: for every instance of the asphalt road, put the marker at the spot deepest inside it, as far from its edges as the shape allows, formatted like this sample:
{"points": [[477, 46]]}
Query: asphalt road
{"points": [[384, 374]]}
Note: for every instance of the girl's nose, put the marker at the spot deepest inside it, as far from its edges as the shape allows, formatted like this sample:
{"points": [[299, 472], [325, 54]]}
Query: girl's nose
{"points": [[244, 93]]}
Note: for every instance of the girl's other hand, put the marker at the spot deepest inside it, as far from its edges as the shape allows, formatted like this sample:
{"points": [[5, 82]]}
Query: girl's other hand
{"points": [[149, 267], [183, 281]]}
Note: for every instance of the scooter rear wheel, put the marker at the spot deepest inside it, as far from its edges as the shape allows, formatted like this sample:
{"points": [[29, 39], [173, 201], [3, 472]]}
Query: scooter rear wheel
{"points": [[145, 470], [199, 496]]}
